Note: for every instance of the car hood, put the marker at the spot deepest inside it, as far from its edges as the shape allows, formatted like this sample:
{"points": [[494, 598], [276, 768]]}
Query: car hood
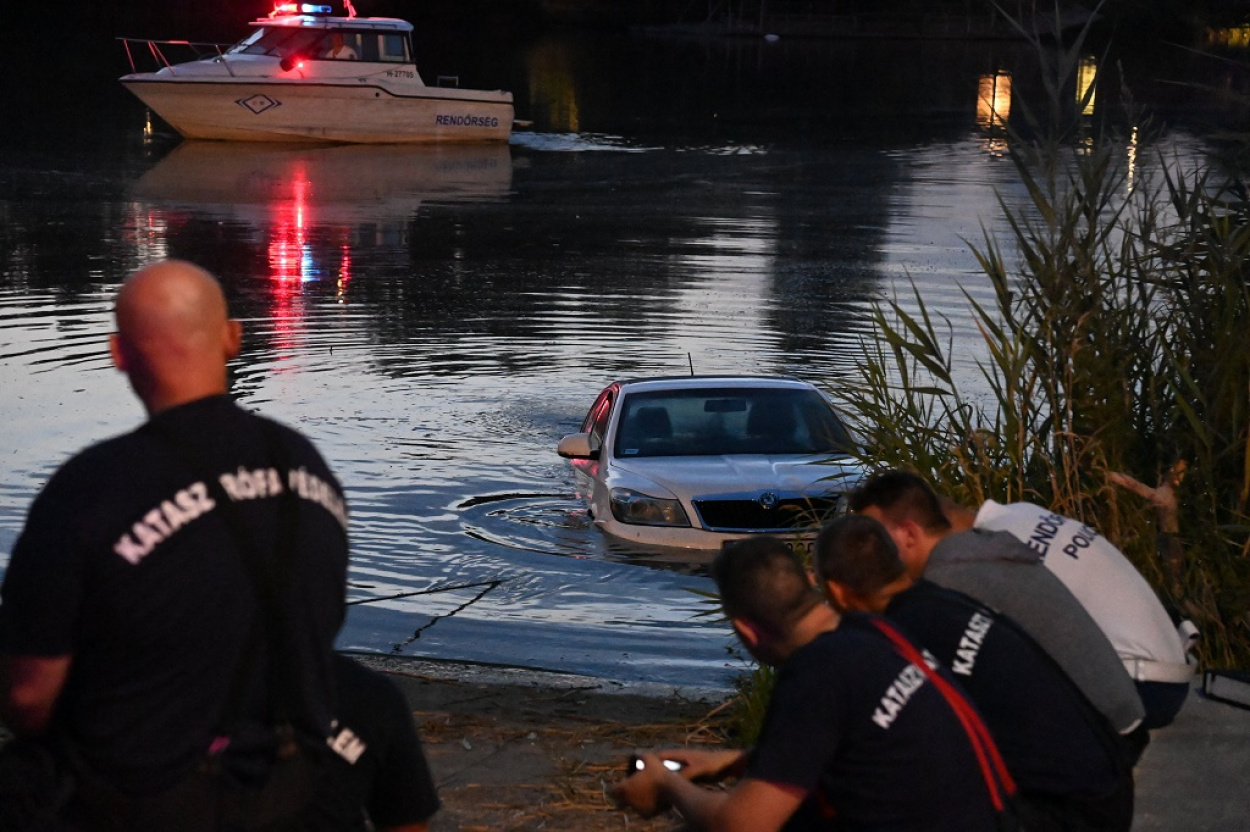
{"points": [[692, 476]]}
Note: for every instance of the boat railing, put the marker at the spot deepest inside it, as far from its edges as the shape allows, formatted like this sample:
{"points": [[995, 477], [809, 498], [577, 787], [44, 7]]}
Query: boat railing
{"points": [[184, 50]]}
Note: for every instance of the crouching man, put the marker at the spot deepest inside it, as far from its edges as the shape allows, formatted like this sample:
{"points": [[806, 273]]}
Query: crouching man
{"points": [[1074, 772], [857, 734]]}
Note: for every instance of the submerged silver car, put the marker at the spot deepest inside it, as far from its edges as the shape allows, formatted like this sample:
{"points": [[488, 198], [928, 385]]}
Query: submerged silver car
{"points": [[690, 462]]}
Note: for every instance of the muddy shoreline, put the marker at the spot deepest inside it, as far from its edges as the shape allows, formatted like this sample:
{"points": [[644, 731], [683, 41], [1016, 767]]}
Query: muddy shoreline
{"points": [[513, 749]]}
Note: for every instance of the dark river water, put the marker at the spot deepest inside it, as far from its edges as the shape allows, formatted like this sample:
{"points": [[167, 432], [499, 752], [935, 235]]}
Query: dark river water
{"points": [[436, 319]]}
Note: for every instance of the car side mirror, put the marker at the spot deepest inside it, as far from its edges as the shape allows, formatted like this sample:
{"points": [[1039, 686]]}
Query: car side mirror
{"points": [[288, 62], [577, 446]]}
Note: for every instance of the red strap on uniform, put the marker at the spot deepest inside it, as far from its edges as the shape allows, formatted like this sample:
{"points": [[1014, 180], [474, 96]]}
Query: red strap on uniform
{"points": [[983, 745]]}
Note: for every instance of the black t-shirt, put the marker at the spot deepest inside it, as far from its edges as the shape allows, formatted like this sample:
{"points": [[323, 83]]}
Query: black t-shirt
{"points": [[1053, 741], [127, 564], [861, 731], [381, 770]]}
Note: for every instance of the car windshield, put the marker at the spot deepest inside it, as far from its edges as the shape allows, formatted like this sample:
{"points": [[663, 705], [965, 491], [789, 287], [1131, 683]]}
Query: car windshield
{"points": [[716, 421]]}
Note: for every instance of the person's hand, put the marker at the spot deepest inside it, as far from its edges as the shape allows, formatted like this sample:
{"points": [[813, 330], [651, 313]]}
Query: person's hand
{"points": [[706, 765], [643, 791]]}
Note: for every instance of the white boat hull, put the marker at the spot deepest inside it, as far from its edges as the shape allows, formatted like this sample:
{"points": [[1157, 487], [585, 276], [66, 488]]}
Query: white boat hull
{"points": [[348, 110]]}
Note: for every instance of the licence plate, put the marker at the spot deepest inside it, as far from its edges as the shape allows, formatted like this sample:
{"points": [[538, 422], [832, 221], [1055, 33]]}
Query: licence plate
{"points": [[802, 547]]}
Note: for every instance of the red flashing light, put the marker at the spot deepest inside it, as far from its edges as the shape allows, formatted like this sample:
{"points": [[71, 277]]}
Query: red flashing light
{"points": [[282, 9]]}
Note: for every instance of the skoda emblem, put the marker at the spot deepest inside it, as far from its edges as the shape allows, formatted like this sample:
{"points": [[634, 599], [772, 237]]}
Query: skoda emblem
{"points": [[768, 500]]}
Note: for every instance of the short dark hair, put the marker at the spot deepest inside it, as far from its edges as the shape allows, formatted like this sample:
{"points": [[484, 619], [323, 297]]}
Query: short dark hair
{"points": [[762, 581], [901, 495], [858, 553]]}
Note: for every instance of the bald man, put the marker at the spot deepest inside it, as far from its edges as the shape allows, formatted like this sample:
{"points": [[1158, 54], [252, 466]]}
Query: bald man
{"points": [[129, 628]]}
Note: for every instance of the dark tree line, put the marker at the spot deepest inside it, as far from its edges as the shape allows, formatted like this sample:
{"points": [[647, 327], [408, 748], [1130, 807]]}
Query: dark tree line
{"points": [[225, 20]]}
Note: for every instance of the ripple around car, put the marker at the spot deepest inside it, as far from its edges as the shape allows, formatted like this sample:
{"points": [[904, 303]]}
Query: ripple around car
{"points": [[690, 462]]}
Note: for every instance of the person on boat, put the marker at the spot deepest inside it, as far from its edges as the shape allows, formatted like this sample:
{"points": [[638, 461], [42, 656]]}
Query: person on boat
{"points": [[133, 639], [858, 735], [998, 570], [1072, 769], [338, 50]]}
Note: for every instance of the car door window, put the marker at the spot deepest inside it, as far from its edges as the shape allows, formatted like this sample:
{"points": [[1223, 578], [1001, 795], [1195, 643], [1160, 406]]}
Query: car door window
{"points": [[596, 423]]}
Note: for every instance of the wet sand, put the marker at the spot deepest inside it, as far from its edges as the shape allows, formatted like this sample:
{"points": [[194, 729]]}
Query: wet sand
{"points": [[522, 750]]}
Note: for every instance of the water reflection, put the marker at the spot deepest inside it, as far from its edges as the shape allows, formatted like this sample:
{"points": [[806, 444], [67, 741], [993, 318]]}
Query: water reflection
{"points": [[1130, 166], [994, 109], [1236, 37], [314, 208], [297, 187], [1086, 77], [552, 91]]}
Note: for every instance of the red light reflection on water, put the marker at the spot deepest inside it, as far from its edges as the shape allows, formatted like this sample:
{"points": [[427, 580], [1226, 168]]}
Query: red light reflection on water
{"points": [[288, 242], [288, 231], [293, 259], [345, 273]]}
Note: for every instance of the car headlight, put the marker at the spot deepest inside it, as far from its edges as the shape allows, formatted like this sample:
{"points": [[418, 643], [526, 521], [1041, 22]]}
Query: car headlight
{"points": [[639, 509]]}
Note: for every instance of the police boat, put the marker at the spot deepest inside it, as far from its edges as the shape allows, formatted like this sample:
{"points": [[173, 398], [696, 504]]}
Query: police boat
{"points": [[304, 74]]}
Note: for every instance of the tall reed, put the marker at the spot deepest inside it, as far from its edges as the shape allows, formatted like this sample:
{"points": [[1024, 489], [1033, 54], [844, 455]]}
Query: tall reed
{"points": [[1116, 342]]}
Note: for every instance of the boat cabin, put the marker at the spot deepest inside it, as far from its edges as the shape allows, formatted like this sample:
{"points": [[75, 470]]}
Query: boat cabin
{"points": [[310, 32]]}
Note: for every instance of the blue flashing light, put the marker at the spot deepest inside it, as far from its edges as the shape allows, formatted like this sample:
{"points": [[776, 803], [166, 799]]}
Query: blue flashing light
{"points": [[302, 8]]}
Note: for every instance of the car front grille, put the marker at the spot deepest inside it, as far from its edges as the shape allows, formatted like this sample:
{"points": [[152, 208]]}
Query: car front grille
{"points": [[750, 515]]}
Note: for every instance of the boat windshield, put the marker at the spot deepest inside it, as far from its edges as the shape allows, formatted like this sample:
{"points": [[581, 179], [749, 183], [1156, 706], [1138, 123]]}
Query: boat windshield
{"points": [[715, 421], [333, 44], [278, 41]]}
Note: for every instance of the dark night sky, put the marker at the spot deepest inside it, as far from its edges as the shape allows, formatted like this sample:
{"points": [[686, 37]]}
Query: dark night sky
{"points": [[224, 19]]}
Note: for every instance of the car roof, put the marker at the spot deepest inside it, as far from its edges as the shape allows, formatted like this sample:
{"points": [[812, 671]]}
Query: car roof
{"points": [[713, 381]]}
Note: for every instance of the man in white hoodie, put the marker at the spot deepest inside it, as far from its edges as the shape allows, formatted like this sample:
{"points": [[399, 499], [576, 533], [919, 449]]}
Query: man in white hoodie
{"points": [[1112, 591]]}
